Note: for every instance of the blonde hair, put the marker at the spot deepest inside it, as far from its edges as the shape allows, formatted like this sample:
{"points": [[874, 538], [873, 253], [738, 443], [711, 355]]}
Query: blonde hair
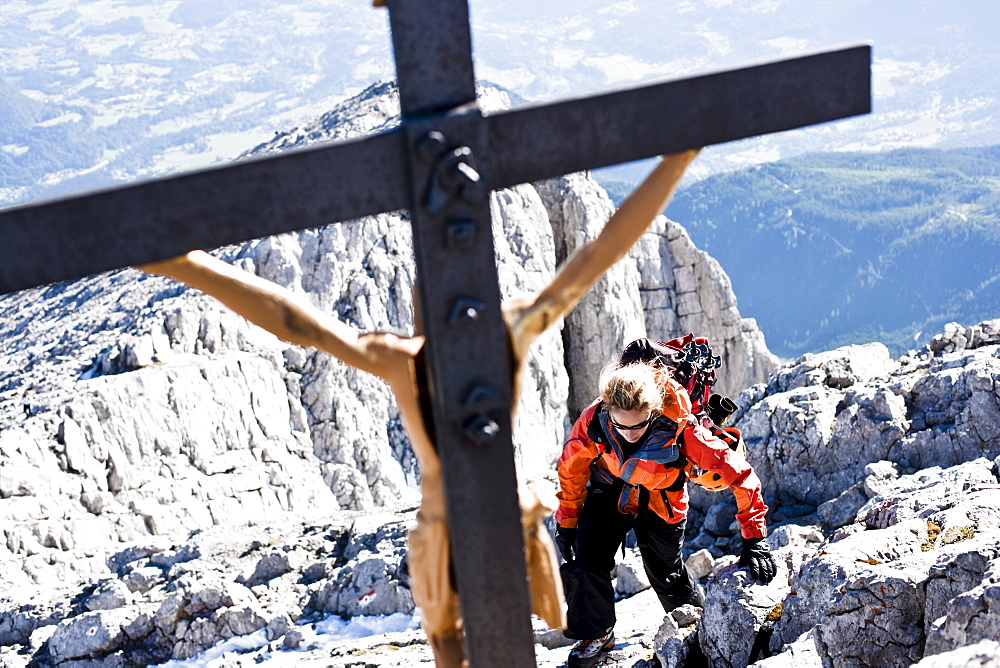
{"points": [[630, 388]]}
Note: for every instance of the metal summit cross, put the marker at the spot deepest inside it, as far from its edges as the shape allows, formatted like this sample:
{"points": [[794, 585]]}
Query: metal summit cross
{"points": [[440, 164]]}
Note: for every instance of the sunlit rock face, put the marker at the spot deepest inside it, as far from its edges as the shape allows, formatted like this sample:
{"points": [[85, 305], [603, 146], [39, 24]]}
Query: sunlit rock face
{"points": [[140, 419]]}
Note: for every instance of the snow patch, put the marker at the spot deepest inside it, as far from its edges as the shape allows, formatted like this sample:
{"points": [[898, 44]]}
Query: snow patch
{"points": [[323, 635]]}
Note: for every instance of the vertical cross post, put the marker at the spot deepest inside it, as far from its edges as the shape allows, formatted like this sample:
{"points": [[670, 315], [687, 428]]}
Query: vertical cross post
{"points": [[468, 356]]}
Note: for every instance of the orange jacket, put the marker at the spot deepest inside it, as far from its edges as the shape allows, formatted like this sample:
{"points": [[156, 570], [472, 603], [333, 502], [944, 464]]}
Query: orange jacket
{"points": [[594, 449]]}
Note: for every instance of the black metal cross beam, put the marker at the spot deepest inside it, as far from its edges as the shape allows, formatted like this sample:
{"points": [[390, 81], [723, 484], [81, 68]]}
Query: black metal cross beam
{"points": [[78, 236], [440, 164]]}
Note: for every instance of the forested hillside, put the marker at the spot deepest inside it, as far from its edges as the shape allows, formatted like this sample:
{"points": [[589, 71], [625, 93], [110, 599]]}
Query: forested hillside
{"points": [[832, 249], [35, 141]]}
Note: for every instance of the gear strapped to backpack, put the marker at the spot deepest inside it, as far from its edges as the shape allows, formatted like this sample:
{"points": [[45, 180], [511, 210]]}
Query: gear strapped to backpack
{"points": [[691, 363]]}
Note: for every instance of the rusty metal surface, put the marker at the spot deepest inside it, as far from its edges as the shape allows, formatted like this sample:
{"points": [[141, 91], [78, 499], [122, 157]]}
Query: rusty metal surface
{"points": [[534, 143], [78, 236]]}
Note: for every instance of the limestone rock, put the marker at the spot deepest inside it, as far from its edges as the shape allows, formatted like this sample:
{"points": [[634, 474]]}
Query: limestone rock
{"points": [[90, 635], [194, 596], [630, 575], [820, 421], [671, 650], [971, 616], [19, 619], [110, 594], [721, 515], [553, 639], [664, 288], [274, 563], [172, 476], [804, 652], [956, 338], [373, 578], [686, 615], [842, 510], [876, 620], [736, 610], [794, 535], [912, 577], [371, 586], [203, 632], [700, 564], [983, 654], [685, 290], [609, 315]]}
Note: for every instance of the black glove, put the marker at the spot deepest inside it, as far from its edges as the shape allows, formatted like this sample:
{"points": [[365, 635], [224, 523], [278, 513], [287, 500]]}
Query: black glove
{"points": [[565, 540], [756, 556]]}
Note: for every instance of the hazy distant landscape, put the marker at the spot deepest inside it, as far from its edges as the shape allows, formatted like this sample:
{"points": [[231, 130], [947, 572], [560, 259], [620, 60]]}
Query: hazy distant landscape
{"points": [[102, 91], [106, 91], [855, 247]]}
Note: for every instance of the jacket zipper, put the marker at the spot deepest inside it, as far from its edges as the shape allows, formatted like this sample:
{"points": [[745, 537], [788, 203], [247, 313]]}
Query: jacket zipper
{"points": [[666, 502]]}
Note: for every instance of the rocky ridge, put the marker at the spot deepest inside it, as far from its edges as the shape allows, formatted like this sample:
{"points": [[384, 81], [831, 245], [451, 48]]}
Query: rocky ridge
{"points": [[907, 575], [170, 476], [892, 469]]}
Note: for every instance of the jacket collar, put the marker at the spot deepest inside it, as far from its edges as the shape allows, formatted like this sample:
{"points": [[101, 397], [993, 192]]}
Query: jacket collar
{"points": [[660, 444]]}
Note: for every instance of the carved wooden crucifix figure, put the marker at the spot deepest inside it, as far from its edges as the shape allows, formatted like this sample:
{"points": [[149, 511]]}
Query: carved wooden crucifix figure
{"points": [[455, 381]]}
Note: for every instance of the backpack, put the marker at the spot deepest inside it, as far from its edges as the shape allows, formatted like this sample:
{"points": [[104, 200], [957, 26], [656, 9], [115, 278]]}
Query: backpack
{"points": [[692, 364], [689, 360]]}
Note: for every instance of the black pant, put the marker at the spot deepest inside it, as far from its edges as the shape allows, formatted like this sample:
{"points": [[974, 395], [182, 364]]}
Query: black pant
{"points": [[590, 595]]}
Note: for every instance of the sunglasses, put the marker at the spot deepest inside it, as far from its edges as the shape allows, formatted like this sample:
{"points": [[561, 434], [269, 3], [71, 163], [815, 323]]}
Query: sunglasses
{"points": [[621, 427]]}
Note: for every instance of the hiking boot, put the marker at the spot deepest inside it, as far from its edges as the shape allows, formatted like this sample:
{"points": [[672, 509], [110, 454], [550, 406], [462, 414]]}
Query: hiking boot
{"points": [[587, 653]]}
